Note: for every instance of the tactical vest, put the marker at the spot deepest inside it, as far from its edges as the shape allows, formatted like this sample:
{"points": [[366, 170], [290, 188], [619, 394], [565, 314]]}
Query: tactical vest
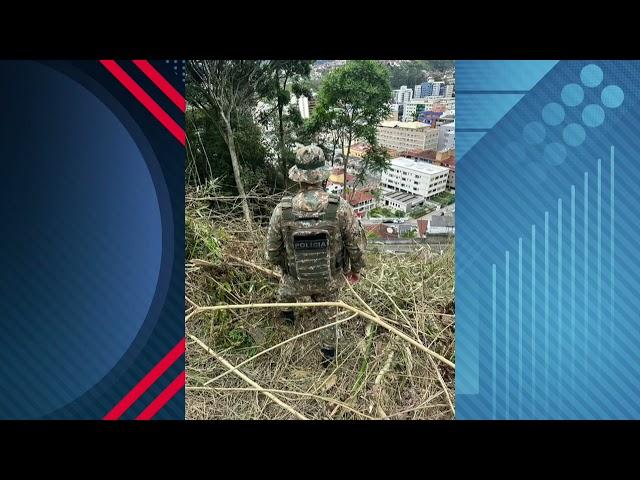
{"points": [[308, 237]]}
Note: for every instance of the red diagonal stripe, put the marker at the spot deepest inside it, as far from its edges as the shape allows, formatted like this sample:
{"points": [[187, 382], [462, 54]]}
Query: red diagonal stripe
{"points": [[148, 380], [156, 77], [161, 400], [144, 98]]}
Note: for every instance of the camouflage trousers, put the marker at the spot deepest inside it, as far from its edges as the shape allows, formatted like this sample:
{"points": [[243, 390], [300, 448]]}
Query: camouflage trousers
{"points": [[292, 291]]}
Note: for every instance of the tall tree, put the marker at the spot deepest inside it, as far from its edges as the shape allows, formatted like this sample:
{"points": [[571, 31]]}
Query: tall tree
{"points": [[354, 99], [226, 90], [284, 76]]}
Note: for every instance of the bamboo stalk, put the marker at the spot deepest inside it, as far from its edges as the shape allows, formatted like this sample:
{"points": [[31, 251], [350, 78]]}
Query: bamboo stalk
{"points": [[276, 346], [284, 392], [247, 379], [341, 304]]}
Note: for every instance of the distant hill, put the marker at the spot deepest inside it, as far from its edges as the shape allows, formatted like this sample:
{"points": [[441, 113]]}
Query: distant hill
{"points": [[401, 72]]}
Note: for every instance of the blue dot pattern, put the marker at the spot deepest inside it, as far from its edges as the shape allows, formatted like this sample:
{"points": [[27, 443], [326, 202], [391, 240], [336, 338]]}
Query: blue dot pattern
{"points": [[572, 95], [593, 115], [574, 134], [554, 114], [612, 96], [591, 75]]}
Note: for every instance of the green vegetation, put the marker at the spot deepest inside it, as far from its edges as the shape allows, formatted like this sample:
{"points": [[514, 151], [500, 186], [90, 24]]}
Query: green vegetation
{"points": [[351, 102], [409, 234], [378, 374], [444, 198], [379, 212], [416, 71], [419, 212]]}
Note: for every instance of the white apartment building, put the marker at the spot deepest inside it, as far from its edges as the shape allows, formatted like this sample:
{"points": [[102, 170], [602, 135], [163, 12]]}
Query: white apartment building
{"points": [[438, 89], [415, 177], [303, 106], [407, 136], [448, 91], [417, 90], [402, 95], [447, 136]]}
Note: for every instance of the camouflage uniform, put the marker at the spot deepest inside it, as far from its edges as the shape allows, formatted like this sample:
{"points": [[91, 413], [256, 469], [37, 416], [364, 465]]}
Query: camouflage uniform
{"points": [[347, 243]]}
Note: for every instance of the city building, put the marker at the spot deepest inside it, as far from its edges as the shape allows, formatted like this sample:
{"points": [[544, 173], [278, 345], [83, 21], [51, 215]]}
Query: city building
{"points": [[448, 91], [357, 150], [394, 110], [407, 136], [402, 95], [445, 158], [415, 177], [426, 88], [361, 201], [451, 179], [447, 136], [417, 91], [338, 177], [412, 109], [402, 201], [303, 106], [428, 156], [429, 117], [447, 117], [438, 89], [442, 224]]}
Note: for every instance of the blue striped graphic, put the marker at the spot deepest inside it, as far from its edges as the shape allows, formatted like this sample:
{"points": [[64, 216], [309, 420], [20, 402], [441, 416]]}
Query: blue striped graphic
{"points": [[555, 328]]}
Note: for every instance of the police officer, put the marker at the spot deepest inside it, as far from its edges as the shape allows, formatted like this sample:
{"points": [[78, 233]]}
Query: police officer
{"points": [[315, 237]]}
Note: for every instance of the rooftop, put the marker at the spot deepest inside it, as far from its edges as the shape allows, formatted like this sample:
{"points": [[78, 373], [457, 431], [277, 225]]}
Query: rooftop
{"points": [[443, 221], [422, 154], [403, 197], [418, 166], [407, 125], [359, 197]]}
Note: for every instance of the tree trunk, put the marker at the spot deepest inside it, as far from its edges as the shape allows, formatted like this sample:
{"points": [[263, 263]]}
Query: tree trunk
{"points": [[236, 169], [346, 162], [283, 160]]}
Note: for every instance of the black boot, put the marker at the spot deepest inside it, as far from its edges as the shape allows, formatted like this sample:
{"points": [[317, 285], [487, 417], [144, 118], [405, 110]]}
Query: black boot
{"points": [[289, 317], [328, 355]]}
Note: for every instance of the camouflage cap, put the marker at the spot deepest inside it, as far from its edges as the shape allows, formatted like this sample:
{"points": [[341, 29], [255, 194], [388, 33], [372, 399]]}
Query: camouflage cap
{"points": [[310, 165]]}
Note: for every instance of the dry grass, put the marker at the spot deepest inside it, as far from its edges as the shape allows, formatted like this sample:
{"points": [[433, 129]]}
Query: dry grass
{"points": [[378, 374]]}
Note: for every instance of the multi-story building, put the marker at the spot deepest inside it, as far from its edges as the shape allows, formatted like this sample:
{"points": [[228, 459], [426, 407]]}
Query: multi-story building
{"points": [[429, 117], [426, 88], [417, 91], [447, 136], [447, 117], [407, 136], [402, 95], [303, 106], [415, 177], [438, 89], [451, 179], [412, 109], [448, 90]]}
